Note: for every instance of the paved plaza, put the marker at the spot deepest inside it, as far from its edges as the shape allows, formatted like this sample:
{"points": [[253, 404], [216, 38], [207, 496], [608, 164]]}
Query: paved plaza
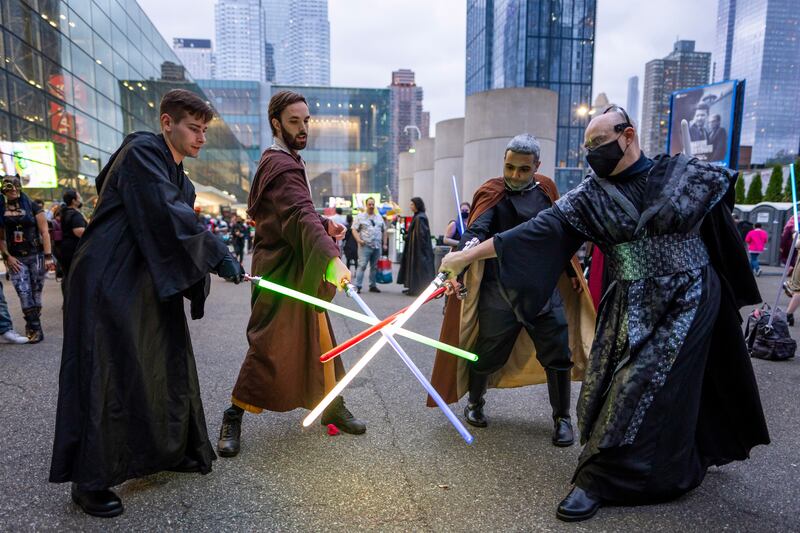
{"points": [[411, 471]]}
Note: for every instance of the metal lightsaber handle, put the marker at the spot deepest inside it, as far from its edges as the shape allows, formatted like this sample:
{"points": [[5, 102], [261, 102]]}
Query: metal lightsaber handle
{"points": [[351, 292]]}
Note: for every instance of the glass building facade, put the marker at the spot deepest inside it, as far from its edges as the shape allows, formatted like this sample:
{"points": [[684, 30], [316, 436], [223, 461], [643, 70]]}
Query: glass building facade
{"points": [[759, 41], [349, 142], [81, 74], [538, 43]]}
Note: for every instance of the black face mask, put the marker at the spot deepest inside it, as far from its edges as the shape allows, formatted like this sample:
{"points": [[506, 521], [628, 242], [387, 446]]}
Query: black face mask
{"points": [[605, 158], [80, 205], [464, 214]]}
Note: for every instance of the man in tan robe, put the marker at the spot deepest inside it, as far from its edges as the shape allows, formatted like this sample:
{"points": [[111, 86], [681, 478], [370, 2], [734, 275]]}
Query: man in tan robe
{"points": [[294, 246], [515, 346]]}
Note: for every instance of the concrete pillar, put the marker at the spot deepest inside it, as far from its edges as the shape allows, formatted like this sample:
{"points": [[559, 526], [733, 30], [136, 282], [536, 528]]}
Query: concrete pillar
{"points": [[423, 172], [405, 175], [494, 117], [448, 162]]}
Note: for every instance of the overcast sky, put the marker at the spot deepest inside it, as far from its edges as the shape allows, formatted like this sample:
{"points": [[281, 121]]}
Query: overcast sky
{"points": [[370, 38]]}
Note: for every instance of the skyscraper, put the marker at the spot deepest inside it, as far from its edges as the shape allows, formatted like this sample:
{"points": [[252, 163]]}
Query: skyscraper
{"points": [[196, 56], [241, 49], [406, 115], [681, 69], [308, 56], [276, 17], [632, 106], [538, 43], [759, 41]]}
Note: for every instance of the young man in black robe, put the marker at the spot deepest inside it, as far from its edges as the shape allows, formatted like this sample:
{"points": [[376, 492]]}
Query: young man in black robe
{"points": [[669, 390], [129, 398]]}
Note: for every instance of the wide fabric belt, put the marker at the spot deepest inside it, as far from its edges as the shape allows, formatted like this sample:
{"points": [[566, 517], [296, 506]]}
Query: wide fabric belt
{"points": [[651, 257]]}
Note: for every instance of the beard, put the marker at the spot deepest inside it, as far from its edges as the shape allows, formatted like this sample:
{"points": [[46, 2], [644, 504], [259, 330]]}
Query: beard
{"points": [[293, 141]]}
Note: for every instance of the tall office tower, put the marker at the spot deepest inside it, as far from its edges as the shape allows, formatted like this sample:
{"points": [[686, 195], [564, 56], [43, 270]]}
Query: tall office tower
{"points": [[308, 55], [632, 106], [406, 116], [276, 17], [538, 43], [759, 41], [240, 40], [681, 69], [196, 55]]}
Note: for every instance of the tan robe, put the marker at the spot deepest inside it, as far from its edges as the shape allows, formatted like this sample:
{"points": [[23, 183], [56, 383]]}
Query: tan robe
{"points": [[460, 327]]}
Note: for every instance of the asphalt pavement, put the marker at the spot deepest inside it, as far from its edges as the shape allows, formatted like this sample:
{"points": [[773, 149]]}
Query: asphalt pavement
{"points": [[410, 471]]}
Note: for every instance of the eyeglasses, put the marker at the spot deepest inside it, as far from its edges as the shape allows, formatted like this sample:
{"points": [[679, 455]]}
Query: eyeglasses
{"points": [[619, 128]]}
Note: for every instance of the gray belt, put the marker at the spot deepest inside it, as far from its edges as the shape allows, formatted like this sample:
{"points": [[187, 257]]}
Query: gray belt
{"points": [[651, 257]]}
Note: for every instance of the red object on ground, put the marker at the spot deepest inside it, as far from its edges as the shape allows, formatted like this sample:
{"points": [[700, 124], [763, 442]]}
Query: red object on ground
{"points": [[336, 350], [333, 430]]}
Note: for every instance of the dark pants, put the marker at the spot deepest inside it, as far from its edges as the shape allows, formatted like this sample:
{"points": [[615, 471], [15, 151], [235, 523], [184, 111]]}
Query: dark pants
{"points": [[499, 326]]}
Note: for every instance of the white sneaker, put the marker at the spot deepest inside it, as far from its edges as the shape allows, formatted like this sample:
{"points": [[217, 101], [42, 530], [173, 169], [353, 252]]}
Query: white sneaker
{"points": [[12, 337]]}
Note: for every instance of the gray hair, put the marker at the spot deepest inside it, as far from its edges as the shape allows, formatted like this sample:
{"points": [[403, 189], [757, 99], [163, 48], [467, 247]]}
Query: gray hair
{"points": [[525, 143]]}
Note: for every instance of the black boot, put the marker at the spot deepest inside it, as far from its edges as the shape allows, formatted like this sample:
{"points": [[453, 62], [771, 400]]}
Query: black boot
{"points": [[790, 319], [230, 432], [558, 387], [37, 335], [473, 412], [103, 503], [578, 505], [338, 415]]}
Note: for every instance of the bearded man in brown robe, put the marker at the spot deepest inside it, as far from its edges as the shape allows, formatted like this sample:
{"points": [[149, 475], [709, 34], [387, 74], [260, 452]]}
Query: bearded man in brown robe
{"points": [[294, 246]]}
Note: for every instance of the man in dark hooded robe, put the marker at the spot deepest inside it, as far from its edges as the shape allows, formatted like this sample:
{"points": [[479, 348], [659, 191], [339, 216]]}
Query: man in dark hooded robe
{"points": [[416, 268], [129, 398], [669, 390]]}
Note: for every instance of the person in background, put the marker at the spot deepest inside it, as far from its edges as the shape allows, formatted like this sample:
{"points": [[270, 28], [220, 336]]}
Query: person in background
{"points": [[239, 232], [452, 235], [25, 247], [73, 224], [369, 231], [416, 269], [350, 248], [56, 236], [7, 333], [756, 240]]}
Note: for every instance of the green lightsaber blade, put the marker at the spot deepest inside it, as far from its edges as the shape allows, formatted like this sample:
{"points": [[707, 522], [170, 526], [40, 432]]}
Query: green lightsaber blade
{"points": [[349, 313]]}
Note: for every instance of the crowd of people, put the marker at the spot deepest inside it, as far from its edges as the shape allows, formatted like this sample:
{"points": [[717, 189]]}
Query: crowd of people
{"points": [[654, 359]]}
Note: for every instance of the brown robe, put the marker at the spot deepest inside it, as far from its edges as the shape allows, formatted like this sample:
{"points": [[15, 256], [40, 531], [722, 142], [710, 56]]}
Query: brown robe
{"points": [[281, 370], [460, 326]]}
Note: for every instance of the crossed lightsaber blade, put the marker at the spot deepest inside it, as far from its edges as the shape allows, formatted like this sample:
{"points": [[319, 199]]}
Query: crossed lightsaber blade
{"points": [[387, 336]]}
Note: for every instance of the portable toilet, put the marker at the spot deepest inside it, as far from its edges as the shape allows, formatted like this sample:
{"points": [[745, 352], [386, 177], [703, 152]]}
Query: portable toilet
{"points": [[772, 216]]}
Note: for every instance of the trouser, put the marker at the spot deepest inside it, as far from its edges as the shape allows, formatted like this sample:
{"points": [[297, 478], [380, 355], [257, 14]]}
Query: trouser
{"points": [[367, 254], [29, 281], [754, 261], [794, 281], [5, 316], [238, 252]]}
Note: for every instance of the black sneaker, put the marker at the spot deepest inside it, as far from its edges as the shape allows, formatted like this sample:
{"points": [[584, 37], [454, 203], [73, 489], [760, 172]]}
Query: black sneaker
{"points": [[230, 433], [374, 289], [338, 415], [790, 319]]}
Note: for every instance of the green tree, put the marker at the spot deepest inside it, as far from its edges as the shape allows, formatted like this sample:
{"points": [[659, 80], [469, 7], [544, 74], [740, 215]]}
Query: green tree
{"points": [[775, 191], [740, 190], [754, 194]]}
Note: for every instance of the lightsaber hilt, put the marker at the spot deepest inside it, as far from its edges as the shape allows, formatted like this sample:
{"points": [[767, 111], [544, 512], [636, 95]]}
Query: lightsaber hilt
{"points": [[414, 370]]}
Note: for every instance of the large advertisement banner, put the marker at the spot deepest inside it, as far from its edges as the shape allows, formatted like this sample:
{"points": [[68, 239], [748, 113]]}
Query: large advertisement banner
{"points": [[712, 114], [35, 162]]}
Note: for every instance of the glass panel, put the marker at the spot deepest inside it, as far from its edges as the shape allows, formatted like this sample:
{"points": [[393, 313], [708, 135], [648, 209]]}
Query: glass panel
{"points": [[120, 44], [83, 8], [82, 65], [5, 127], [24, 63], [22, 21], [106, 111], [51, 42], [60, 120], [25, 100], [54, 81], [86, 128], [50, 11], [101, 23], [85, 98], [102, 53], [105, 82], [3, 91], [80, 32], [109, 139], [22, 130]]}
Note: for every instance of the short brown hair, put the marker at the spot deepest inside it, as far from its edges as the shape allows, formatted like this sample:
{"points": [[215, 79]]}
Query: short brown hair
{"points": [[178, 103], [280, 101]]}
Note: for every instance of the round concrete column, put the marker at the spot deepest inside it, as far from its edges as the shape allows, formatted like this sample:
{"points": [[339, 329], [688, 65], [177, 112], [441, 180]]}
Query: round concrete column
{"points": [[423, 172], [494, 117], [405, 178], [448, 162]]}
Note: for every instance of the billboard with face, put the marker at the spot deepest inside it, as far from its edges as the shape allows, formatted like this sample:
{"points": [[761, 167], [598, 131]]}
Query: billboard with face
{"points": [[714, 116]]}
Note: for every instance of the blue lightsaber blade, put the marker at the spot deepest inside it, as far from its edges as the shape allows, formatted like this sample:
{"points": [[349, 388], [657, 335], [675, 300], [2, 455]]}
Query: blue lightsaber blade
{"points": [[351, 292], [458, 206]]}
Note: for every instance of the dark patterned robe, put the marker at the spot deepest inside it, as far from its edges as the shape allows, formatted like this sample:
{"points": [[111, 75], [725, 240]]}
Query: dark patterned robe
{"points": [[669, 389]]}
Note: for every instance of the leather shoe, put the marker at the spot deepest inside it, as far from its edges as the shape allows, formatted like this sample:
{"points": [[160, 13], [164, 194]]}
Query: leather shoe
{"points": [[563, 435], [374, 289], [578, 505], [338, 415], [187, 465], [230, 433], [102, 503], [473, 413]]}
